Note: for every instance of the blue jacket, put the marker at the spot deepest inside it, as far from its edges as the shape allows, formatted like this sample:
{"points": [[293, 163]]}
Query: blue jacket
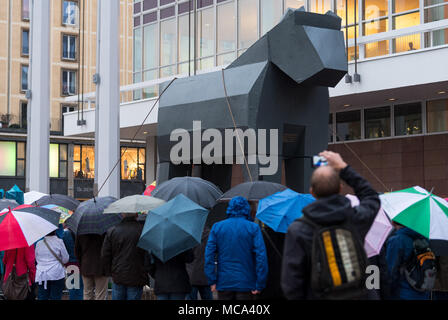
{"points": [[399, 250], [240, 252], [69, 242]]}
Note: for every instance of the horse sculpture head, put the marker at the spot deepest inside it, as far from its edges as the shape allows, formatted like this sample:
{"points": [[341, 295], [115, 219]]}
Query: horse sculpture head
{"points": [[306, 46]]}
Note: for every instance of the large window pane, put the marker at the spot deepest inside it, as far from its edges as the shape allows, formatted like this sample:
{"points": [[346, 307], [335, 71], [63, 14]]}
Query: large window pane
{"points": [[150, 46], [407, 43], [24, 85], [377, 122], [404, 5], [375, 26], [436, 38], [25, 42], [69, 12], [348, 125], [206, 36], [406, 20], [226, 25], [167, 71], [7, 158], [153, 90], [437, 115], [137, 49], [408, 119], [247, 23], [206, 64], [271, 13], [26, 9], [137, 79], [436, 13], [375, 49], [293, 4], [168, 42], [129, 164], [374, 8], [320, 6], [54, 160], [88, 161], [342, 12], [226, 59], [433, 2], [184, 38]]}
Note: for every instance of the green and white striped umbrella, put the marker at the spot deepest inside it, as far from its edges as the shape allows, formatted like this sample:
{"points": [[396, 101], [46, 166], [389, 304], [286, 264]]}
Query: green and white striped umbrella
{"points": [[418, 210]]}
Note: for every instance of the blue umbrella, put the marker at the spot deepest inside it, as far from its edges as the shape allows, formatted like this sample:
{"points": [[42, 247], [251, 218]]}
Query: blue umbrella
{"points": [[279, 210], [173, 228], [15, 194]]}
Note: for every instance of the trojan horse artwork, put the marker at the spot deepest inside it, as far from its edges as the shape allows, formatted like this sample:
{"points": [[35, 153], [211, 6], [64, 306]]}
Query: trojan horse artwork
{"points": [[281, 82]]}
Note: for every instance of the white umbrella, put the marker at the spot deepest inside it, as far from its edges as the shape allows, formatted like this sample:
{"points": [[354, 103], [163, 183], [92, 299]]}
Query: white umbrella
{"points": [[33, 196]]}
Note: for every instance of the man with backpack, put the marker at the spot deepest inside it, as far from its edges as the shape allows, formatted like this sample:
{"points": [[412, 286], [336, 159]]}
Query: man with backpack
{"points": [[411, 265], [323, 255]]}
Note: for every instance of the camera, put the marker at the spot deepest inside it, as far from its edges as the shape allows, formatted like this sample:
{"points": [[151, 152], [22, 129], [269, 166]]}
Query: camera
{"points": [[319, 161]]}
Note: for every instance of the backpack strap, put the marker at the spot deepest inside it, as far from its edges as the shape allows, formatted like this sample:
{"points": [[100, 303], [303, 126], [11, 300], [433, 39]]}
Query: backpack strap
{"points": [[52, 252]]}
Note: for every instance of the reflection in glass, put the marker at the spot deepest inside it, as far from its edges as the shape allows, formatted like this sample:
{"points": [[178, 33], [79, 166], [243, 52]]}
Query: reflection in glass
{"points": [[137, 49], [433, 2], [225, 59], [132, 164], [406, 20], [206, 36], [226, 24], [25, 42], [404, 5], [137, 79], [84, 162], [54, 160], [348, 125], [375, 49], [374, 9], [320, 6], [69, 12], [168, 42], [24, 86], [436, 13], [375, 26], [184, 39], [150, 46], [437, 115], [26, 9], [293, 4], [247, 23], [63, 152], [271, 14], [341, 11], [436, 38], [20, 168], [206, 64], [150, 91], [408, 119], [7, 158], [377, 122], [20, 150], [167, 71], [406, 43]]}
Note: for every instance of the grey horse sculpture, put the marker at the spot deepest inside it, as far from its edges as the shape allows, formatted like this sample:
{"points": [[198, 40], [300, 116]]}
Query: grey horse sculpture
{"points": [[281, 82]]}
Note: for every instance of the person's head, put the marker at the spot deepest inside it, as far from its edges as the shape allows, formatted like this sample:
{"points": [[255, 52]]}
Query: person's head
{"points": [[325, 182], [238, 206]]}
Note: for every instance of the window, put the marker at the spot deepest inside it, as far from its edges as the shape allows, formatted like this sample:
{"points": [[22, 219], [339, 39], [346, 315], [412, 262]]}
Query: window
{"points": [[271, 14], [69, 47], [65, 109], [226, 24], [206, 33], [70, 12], [25, 42], [63, 160], [293, 4], [133, 164], [153, 90], [68, 82], [437, 115], [58, 160], [137, 49], [25, 9], [348, 125], [7, 158], [408, 119], [23, 114], [24, 80], [330, 128], [374, 9], [247, 23], [20, 166], [377, 122], [320, 6], [168, 41], [404, 5], [186, 44], [84, 162], [150, 46]]}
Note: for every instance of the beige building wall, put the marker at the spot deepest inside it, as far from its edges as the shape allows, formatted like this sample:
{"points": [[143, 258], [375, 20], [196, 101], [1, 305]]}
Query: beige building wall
{"points": [[15, 24]]}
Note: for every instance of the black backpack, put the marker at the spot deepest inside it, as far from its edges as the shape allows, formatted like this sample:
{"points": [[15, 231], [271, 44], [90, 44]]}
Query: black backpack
{"points": [[420, 270], [338, 262]]}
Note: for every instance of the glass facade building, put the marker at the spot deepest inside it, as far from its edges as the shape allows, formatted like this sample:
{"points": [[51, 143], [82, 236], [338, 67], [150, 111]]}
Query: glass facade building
{"points": [[165, 42]]}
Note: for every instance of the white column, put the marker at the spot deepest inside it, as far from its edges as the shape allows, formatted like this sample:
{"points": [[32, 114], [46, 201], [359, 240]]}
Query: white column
{"points": [[107, 132], [38, 140]]}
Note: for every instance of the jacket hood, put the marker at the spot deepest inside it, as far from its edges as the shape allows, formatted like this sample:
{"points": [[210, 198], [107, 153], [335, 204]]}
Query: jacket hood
{"points": [[328, 210], [238, 207], [410, 233]]}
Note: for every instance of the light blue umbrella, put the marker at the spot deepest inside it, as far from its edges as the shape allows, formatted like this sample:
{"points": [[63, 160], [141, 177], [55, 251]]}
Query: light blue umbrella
{"points": [[173, 228], [15, 194], [279, 210]]}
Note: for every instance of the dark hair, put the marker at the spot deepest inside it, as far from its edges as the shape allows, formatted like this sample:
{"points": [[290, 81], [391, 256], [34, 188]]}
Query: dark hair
{"points": [[325, 182]]}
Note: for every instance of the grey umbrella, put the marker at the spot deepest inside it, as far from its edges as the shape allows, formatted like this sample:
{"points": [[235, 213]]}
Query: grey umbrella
{"points": [[134, 204], [253, 191], [201, 191], [5, 203], [59, 200], [89, 218]]}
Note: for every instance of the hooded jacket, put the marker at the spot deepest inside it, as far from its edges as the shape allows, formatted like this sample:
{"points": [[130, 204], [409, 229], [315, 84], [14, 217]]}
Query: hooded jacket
{"points": [[400, 247], [327, 211], [237, 244]]}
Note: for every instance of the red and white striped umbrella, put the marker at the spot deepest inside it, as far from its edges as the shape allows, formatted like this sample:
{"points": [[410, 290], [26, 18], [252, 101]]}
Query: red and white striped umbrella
{"points": [[22, 228]]}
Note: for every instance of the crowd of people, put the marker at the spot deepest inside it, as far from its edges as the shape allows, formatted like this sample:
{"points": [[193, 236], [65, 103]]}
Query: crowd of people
{"points": [[320, 257]]}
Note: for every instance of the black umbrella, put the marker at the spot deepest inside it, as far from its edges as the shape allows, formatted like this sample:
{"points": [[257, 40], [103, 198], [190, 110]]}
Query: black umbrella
{"points": [[89, 218], [5, 203], [201, 191], [253, 191], [59, 200]]}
